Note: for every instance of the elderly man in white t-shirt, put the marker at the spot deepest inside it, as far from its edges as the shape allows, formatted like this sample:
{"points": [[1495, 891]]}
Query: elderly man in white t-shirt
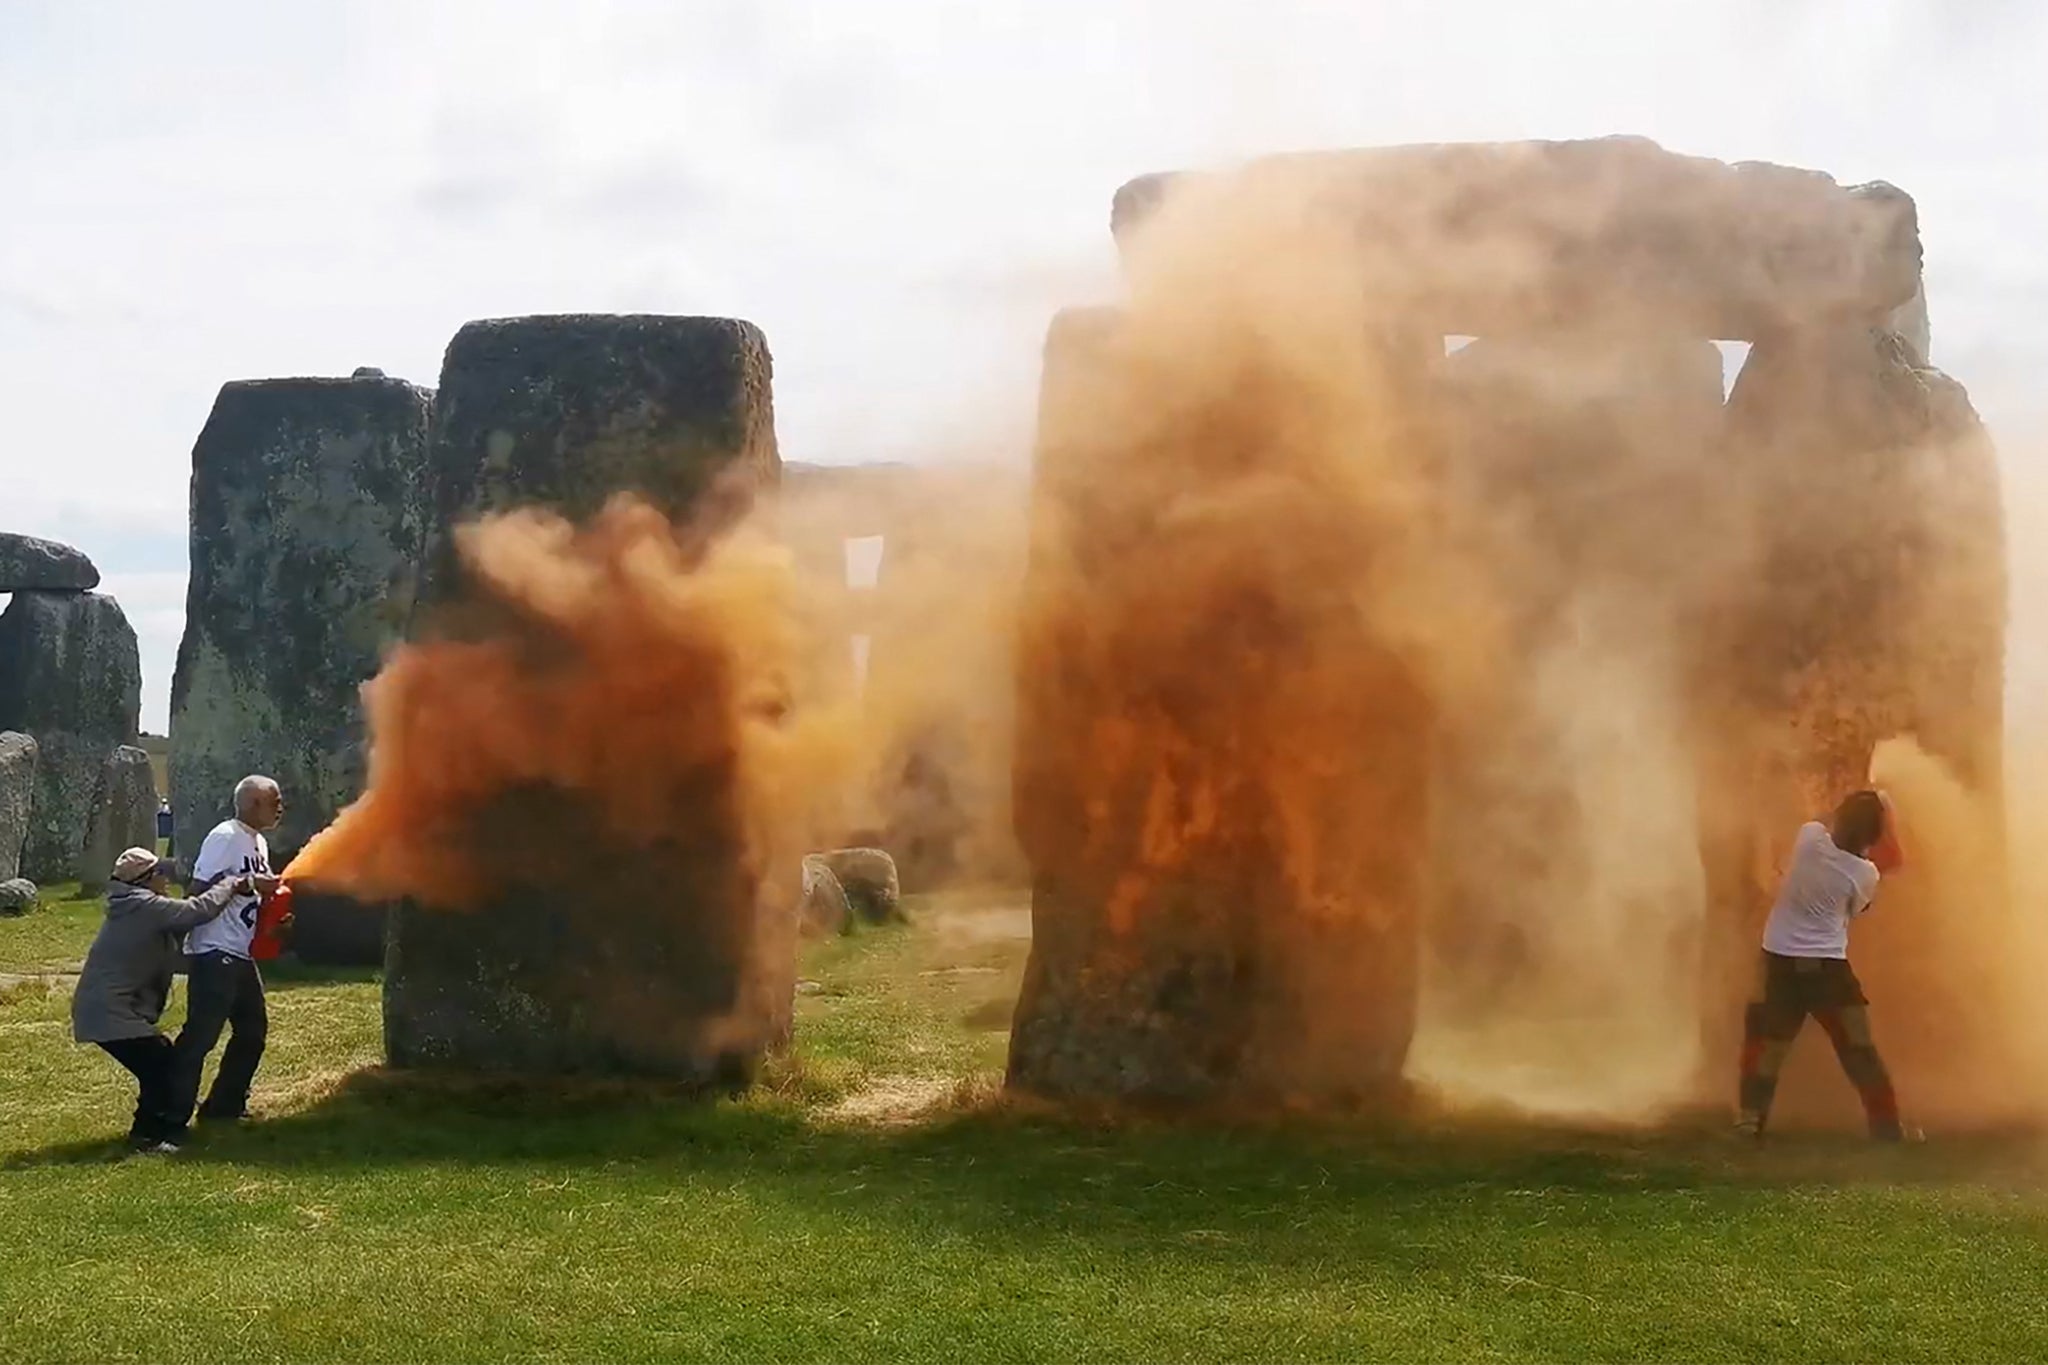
{"points": [[224, 988]]}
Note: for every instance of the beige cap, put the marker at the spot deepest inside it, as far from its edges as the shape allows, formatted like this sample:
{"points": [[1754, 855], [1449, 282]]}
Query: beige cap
{"points": [[135, 865]]}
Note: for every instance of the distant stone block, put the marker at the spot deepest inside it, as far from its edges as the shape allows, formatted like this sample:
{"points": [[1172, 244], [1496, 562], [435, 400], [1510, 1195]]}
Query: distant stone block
{"points": [[123, 815], [71, 675]]}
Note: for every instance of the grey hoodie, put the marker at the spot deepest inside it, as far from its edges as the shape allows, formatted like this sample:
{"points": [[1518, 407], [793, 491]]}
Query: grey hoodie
{"points": [[127, 977]]}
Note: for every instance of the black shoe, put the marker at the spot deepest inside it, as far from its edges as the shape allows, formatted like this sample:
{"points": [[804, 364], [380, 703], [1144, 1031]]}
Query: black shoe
{"points": [[222, 1116]]}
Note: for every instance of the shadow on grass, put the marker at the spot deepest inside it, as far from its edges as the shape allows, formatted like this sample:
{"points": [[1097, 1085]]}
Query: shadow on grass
{"points": [[1034, 1161], [287, 973]]}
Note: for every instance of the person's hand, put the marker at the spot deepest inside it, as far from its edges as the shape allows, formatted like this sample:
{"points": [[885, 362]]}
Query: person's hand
{"points": [[265, 883]]}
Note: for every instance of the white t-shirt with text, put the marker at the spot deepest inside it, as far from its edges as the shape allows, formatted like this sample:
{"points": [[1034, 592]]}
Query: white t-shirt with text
{"points": [[1823, 890], [231, 850]]}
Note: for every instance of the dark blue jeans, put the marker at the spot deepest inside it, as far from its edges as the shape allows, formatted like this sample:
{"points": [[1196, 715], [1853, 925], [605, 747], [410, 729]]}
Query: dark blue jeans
{"points": [[224, 992]]}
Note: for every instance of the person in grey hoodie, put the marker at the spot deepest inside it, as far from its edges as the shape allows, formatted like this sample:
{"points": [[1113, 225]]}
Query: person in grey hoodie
{"points": [[127, 981]]}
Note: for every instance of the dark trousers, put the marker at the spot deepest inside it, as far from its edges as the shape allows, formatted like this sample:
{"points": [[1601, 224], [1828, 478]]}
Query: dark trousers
{"points": [[150, 1060], [224, 992], [1787, 990]]}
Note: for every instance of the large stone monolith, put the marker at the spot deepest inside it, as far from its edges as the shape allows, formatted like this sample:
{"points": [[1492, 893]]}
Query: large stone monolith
{"points": [[17, 794], [71, 675], [1876, 609], [308, 512], [307, 517], [598, 955], [1221, 774], [123, 815]]}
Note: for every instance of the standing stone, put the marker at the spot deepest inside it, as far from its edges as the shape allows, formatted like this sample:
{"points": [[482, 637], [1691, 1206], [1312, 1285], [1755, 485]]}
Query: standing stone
{"points": [[307, 517], [71, 675], [31, 564], [123, 815], [17, 793], [1224, 839], [1877, 609], [597, 955]]}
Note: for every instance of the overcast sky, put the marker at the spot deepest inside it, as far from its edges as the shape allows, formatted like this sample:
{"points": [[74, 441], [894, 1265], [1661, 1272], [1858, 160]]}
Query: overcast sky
{"points": [[898, 191]]}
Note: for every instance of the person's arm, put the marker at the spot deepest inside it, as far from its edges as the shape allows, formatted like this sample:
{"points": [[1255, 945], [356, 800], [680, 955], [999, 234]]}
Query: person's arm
{"points": [[1865, 893], [1888, 854], [190, 913]]}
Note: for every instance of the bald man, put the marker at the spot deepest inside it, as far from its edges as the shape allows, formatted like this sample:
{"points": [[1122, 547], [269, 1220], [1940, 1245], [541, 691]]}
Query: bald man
{"points": [[225, 989]]}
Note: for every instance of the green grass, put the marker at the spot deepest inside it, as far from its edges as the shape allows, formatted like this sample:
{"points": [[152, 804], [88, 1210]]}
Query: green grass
{"points": [[875, 1199], [54, 936]]}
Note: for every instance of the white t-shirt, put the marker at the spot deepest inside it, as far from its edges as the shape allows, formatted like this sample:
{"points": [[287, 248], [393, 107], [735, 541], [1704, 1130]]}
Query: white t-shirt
{"points": [[231, 850], [1823, 890]]}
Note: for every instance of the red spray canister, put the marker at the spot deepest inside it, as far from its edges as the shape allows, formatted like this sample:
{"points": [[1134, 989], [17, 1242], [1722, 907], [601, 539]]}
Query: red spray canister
{"points": [[271, 912]]}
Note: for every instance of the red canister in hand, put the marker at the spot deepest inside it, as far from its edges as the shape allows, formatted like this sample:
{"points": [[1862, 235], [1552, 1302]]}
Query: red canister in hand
{"points": [[271, 912]]}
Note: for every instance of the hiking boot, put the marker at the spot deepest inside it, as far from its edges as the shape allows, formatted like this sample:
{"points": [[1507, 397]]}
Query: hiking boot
{"points": [[1749, 1128]]}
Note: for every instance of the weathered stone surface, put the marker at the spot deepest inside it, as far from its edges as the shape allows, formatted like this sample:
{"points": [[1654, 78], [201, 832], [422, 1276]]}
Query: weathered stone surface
{"points": [[17, 896], [825, 909], [1494, 239], [1877, 609], [17, 795], [307, 517], [569, 410], [71, 675], [1208, 874], [29, 563], [868, 876], [675, 959], [123, 815]]}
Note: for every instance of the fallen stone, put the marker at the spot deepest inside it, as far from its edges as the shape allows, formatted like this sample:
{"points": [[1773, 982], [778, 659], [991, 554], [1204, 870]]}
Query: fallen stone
{"points": [[71, 675], [824, 907], [597, 955], [17, 794], [123, 815], [17, 896], [869, 878], [31, 564], [307, 516]]}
